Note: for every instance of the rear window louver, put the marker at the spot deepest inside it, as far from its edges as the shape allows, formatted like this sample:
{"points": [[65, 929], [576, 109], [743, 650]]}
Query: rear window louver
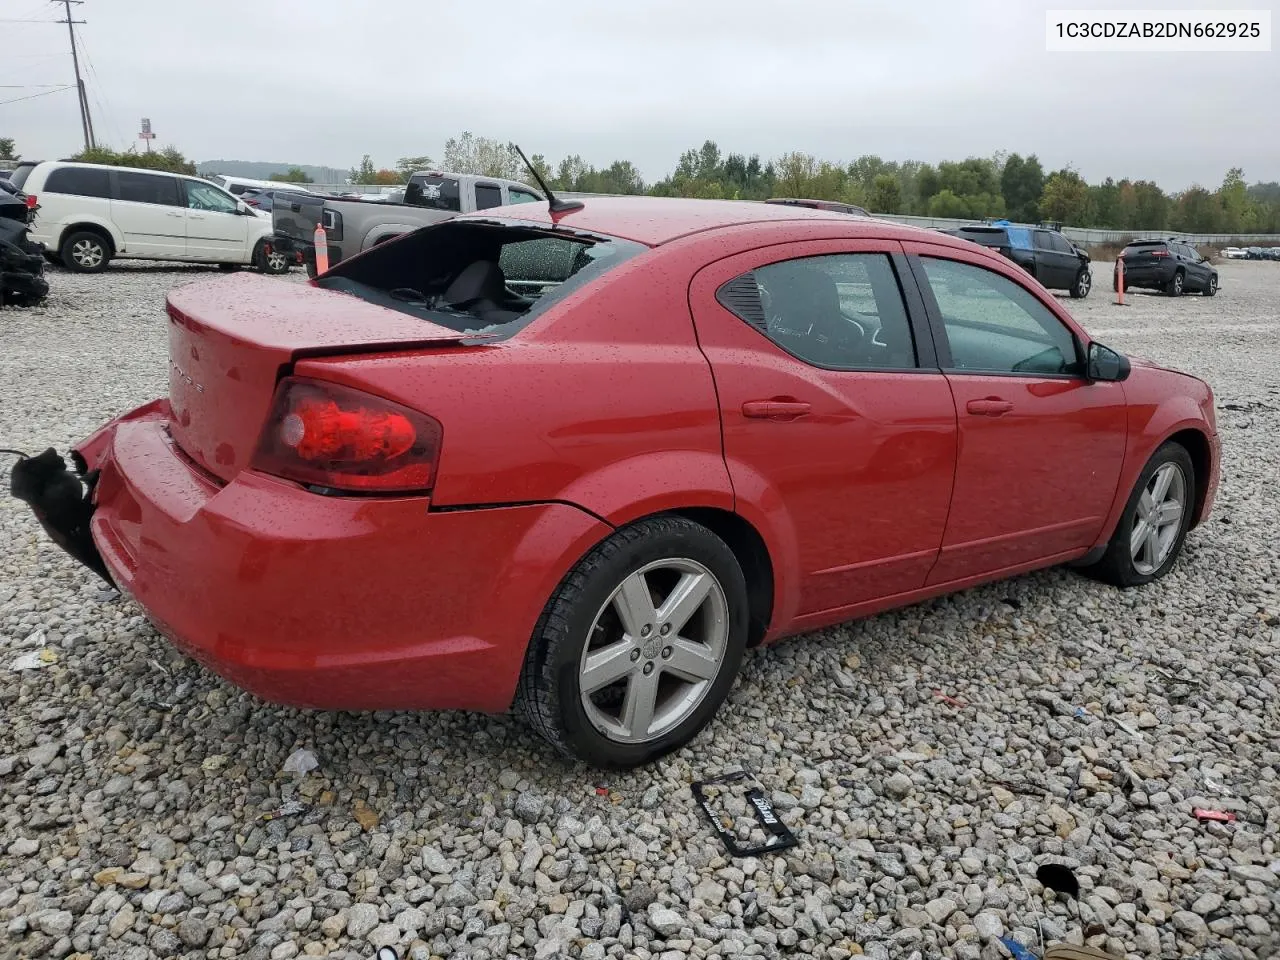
{"points": [[741, 297]]}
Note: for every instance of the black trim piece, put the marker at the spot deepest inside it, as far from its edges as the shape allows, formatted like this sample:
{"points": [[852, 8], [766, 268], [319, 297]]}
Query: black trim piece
{"points": [[932, 311], [466, 507], [917, 315]]}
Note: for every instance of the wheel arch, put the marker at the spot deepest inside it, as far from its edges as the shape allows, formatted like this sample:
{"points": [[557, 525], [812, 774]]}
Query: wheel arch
{"points": [[103, 229], [1196, 443]]}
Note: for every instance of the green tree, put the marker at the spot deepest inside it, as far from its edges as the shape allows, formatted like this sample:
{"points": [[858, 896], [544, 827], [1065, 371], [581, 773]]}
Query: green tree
{"points": [[1196, 211], [944, 203], [1104, 204], [795, 172], [1065, 197], [408, 166], [886, 194], [1021, 183], [292, 175], [927, 186], [1238, 212], [364, 173], [7, 148], [1151, 207], [170, 159], [482, 156]]}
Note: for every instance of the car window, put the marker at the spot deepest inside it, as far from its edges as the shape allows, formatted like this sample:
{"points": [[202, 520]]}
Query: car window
{"points": [[1043, 241], [19, 176], [1060, 243], [436, 193], [205, 196], [522, 196], [80, 182], [841, 312], [488, 195], [149, 188], [994, 325]]}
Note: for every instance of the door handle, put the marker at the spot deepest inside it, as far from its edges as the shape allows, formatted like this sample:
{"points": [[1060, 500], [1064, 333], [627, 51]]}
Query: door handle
{"points": [[173, 213], [774, 409], [989, 407]]}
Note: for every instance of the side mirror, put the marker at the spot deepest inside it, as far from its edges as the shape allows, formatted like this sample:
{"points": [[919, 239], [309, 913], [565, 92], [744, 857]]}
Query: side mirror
{"points": [[1105, 365]]}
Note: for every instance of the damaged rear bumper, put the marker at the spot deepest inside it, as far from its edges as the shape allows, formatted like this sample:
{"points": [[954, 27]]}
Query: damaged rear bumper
{"points": [[325, 602]]}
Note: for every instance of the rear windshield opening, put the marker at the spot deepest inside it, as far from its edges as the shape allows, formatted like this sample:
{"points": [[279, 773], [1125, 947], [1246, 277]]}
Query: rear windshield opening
{"points": [[1143, 246], [477, 276]]}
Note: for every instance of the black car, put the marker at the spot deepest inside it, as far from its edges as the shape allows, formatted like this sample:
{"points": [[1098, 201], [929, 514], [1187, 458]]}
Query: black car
{"points": [[1172, 265], [22, 281], [264, 199], [1043, 252]]}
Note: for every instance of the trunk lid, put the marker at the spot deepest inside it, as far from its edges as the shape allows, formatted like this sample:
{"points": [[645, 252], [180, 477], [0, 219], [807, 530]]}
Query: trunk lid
{"points": [[1145, 254], [231, 339]]}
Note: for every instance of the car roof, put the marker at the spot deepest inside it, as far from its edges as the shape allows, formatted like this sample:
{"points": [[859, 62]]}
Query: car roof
{"points": [[51, 165], [658, 220]]}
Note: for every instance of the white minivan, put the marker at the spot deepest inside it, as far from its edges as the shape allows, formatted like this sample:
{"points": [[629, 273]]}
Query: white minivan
{"points": [[89, 214]]}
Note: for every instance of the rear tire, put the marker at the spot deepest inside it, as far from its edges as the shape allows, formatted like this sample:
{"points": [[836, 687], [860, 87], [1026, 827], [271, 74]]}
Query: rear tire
{"points": [[1177, 284], [639, 671], [85, 252], [52, 258], [1169, 477], [229, 267], [1081, 285], [272, 263]]}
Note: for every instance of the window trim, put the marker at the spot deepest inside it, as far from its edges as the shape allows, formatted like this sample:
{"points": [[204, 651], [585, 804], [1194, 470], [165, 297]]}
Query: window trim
{"points": [[917, 323], [117, 196], [938, 326]]}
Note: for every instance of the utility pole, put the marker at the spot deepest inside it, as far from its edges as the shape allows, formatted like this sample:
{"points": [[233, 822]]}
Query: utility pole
{"points": [[86, 122]]}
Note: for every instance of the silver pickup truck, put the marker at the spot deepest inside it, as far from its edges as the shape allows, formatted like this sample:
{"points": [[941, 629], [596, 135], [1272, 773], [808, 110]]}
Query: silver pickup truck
{"points": [[354, 225]]}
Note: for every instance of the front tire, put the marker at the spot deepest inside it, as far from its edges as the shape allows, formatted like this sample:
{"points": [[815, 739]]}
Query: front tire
{"points": [[85, 252], [1212, 287], [1153, 527], [638, 646], [1082, 284]]}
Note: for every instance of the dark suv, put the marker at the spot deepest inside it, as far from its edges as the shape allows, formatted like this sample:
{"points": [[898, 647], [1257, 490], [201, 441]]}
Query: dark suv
{"points": [[1045, 254], [1172, 265]]}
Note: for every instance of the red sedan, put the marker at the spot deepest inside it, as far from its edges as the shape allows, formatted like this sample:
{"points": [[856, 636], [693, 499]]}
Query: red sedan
{"points": [[577, 465]]}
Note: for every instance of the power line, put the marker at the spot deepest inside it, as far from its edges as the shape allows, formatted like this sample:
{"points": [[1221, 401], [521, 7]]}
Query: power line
{"points": [[35, 21], [85, 121], [32, 96]]}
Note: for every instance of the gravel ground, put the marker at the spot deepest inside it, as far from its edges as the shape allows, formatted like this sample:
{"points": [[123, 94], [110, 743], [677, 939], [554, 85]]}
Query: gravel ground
{"points": [[133, 784]]}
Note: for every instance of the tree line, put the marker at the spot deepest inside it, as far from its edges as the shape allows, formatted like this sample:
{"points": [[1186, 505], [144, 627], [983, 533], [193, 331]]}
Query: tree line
{"points": [[1002, 185]]}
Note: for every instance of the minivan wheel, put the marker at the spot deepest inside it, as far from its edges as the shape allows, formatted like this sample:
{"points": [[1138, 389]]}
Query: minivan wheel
{"points": [[1175, 285], [1212, 286], [638, 646], [85, 252], [1083, 282], [1153, 527]]}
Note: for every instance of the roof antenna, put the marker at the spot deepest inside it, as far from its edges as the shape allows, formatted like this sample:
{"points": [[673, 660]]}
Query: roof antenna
{"points": [[554, 204]]}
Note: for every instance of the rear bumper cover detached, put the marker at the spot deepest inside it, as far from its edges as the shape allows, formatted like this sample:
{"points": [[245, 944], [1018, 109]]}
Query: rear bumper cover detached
{"points": [[327, 602]]}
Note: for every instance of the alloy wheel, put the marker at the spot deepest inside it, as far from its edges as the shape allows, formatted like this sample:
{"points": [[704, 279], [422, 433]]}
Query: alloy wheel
{"points": [[87, 253], [1158, 519], [276, 262], [654, 650]]}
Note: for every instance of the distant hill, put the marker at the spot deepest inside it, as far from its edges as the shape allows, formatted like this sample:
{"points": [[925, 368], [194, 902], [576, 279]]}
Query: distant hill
{"points": [[262, 170]]}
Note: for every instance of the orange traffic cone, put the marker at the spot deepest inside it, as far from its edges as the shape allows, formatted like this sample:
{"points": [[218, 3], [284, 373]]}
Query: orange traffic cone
{"points": [[1120, 281], [321, 241]]}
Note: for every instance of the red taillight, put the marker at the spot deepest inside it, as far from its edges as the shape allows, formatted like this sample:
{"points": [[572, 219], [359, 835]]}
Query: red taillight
{"points": [[31, 201], [327, 435], [1159, 253]]}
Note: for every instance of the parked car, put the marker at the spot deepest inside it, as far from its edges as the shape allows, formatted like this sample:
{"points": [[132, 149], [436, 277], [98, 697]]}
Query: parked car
{"points": [[717, 425], [236, 186], [263, 199], [1044, 253], [355, 224], [832, 205], [1272, 253], [90, 213], [22, 281], [1235, 253], [1172, 265], [1253, 253]]}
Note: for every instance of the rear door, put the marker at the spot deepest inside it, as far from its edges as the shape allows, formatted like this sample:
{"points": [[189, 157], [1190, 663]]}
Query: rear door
{"points": [[830, 401], [216, 231], [149, 209], [1049, 267], [1067, 263], [1040, 447]]}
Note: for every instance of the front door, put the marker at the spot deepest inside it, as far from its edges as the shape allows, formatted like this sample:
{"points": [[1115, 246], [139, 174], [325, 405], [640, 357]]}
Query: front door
{"points": [[150, 211], [827, 405], [1040, 447], [216, 230]]}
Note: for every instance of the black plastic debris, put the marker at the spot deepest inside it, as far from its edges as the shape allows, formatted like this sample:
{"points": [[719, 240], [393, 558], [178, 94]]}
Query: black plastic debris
{"points": [[776, 835]]}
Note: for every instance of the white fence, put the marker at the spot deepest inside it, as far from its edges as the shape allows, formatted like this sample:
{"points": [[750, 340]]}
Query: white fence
{"points": [[1084, 236]]}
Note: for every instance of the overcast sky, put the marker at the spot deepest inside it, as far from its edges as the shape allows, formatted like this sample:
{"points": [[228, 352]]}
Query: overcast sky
{"points": [[325, 81]]}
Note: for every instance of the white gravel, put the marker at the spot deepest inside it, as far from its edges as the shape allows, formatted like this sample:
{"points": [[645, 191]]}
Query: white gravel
{"points": [[128, 830]]}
